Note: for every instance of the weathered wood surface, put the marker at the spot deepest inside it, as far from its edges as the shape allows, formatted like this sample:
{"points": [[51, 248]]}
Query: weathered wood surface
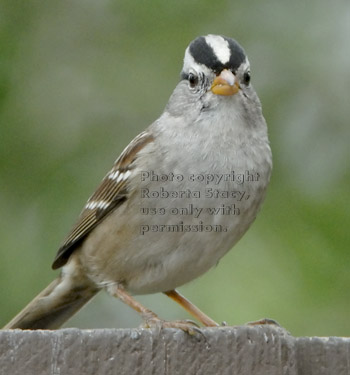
{"points": [[228, 350]]}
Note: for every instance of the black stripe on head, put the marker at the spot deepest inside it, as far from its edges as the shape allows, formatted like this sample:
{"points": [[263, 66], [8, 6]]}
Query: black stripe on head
{"points": [[204, 54], [237, 53]]}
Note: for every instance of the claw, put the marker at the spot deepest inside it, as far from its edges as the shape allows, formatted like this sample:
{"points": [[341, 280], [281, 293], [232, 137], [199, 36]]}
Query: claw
{"points": [[189, 321], [187, 326], [264, 321]]}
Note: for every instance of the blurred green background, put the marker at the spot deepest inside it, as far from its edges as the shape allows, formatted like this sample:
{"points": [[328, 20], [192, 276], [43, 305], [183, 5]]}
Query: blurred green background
{"points": [[79, 79]]}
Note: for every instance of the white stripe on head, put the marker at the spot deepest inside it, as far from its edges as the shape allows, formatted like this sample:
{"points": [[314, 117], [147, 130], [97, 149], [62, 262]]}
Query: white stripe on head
{"points": [[191, 65], [220, 47], [244, 66]]}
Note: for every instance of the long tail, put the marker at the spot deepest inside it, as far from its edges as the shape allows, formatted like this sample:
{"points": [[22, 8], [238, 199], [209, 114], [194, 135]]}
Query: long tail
{"points": [[53, 306]]}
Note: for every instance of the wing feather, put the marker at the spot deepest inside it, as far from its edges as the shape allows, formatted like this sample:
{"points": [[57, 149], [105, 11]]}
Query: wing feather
{"points": [[110, 194]]}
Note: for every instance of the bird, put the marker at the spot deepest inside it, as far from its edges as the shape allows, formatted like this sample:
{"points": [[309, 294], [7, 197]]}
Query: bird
{"points": [[176, 200]]}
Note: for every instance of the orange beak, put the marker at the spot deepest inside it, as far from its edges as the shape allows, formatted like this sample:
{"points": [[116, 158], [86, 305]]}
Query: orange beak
{"points": [[225, 84]]}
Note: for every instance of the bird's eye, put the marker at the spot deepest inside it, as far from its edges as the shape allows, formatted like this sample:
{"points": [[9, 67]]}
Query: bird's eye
{"points": [[246, 78], [193, 80]]}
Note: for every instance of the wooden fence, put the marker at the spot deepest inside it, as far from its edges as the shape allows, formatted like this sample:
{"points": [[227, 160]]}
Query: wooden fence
{"points": [[228, 350]]}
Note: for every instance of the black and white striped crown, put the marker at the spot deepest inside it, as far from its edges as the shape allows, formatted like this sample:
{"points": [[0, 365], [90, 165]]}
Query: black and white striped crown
{"points": [[213, 53]]}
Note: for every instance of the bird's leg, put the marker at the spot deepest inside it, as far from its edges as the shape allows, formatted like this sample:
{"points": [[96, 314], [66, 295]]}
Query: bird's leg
{"points": [[191, 308], [119, 292], [150, 318]]}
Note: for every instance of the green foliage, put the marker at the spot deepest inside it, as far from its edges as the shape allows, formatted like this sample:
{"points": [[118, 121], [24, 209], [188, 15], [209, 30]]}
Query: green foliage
{"points": [[78, 80]]}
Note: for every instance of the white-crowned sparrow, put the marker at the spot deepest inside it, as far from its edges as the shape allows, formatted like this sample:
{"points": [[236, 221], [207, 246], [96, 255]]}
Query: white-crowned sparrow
{"points": [[179, 197]]}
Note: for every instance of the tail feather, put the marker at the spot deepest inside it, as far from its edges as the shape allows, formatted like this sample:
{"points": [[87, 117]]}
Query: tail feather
{"points": [[53, 306]]}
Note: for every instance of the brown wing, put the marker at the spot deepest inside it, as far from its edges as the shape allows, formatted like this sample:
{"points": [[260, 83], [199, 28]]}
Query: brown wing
{"points": [[108, 196]]}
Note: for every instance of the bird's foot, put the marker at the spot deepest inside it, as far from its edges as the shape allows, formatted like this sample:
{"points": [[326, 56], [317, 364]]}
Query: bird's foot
{"points": [[264, 321], [187, 326]]}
